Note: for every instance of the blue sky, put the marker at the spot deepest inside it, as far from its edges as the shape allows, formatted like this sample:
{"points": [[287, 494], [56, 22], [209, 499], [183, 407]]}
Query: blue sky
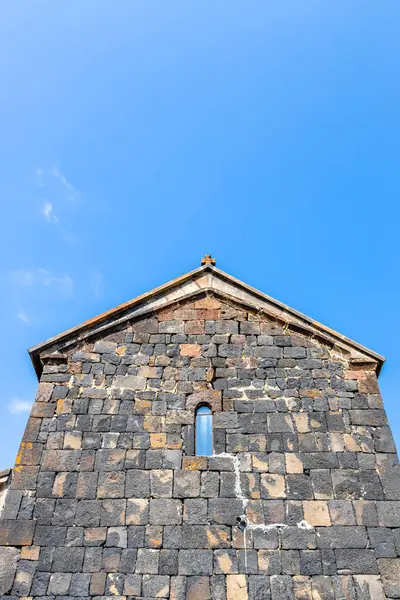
{"points": [[138, 135]]}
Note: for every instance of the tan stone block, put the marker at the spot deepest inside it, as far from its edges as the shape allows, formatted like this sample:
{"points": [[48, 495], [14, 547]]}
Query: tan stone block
{"points": [[184, 314], [148, 372], [236, 587], [351, 443], [121, 350], [161, 360], [208, 302], [142, 406], [64, 406], [210, 314], [153, 423], [158, 440], [311, 393], [217, 536], [337, 442], [190, 350], [58, 485], [355, 375], [302, 587], [273, 486], [194, 327], [224, 562], [302, 422], [194, 463], [316, 513], [73, 440], [165, 315], [293, 463], [30, 553]]}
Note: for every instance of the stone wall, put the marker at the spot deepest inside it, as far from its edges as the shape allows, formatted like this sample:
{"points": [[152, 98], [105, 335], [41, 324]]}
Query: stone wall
{"points": [[301, 498]]}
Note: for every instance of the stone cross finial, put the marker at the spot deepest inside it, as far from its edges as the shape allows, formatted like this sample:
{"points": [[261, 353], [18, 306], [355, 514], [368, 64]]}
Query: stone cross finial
{"points": [[208, 260]]}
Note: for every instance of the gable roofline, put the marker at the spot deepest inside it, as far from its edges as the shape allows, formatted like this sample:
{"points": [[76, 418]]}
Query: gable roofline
{"points": [[206, 278], [307, 320]]}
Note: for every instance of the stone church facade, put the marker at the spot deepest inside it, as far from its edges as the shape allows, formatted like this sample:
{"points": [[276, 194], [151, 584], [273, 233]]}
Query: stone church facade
{"points": [[300, 498]]}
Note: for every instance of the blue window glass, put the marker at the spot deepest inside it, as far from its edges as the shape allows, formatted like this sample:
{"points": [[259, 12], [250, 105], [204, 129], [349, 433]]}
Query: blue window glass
{"points": [[204, 437]]}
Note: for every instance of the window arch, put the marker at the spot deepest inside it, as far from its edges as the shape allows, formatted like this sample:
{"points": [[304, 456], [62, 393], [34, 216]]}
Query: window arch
{"points": [[204, 431]]}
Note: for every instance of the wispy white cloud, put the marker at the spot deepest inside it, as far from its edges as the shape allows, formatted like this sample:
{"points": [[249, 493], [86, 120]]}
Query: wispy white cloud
{"points": [[17, 406], [22, 316], [48, 212], [70, 190], [58, 188], [62, 282]]}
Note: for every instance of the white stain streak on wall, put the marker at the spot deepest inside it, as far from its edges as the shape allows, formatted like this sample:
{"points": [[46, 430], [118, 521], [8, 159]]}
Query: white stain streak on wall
{"points": [[240, 495]]}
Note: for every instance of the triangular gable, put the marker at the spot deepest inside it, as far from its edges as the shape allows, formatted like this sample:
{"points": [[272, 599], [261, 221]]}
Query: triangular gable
{"points": [[206, 280]]}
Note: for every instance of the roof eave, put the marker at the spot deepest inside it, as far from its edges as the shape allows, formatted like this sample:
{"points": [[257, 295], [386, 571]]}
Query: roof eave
{"points": [[35, 351], [302, 316]]}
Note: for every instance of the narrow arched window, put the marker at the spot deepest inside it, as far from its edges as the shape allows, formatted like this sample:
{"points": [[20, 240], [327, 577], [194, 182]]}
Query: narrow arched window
{"points": [[204, 436]]}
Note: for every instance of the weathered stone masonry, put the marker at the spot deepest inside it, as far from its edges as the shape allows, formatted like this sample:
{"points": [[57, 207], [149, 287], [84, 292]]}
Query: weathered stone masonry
{"points": [[300, 500]]}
